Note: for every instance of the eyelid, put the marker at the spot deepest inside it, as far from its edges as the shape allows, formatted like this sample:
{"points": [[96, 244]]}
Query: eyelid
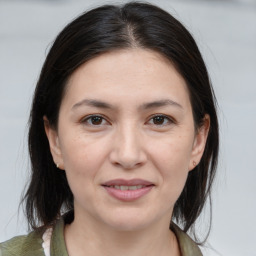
{"points": [[170, 119], [86, 118]]}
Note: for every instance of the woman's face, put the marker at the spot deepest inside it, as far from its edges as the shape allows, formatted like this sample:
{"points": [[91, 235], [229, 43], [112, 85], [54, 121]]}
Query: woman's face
{"points": [[126, 139]]}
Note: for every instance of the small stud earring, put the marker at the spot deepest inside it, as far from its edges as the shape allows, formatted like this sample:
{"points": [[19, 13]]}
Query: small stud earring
{"points": [[57, 165], [194, 163]]}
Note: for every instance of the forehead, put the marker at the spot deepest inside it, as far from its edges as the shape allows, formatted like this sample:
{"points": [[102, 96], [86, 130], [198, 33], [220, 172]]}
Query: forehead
{"points": [[135, 74]]}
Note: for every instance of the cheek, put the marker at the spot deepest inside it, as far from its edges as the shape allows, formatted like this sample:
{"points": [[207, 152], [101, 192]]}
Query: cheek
{"points": [[172, 157], [82, 152], [82, 157], [82, 161], [172, 152]]}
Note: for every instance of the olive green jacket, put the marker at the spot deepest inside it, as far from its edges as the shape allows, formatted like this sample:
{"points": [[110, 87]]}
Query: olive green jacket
{"points": [[31, 244]]}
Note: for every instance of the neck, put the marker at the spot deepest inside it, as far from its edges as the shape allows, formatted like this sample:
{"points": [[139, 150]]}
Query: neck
{"points": [[88, 238]]}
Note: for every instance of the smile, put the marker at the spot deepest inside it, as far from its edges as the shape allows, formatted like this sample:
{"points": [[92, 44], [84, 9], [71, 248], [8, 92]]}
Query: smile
{"points": [[128, 190], [123, 187]]}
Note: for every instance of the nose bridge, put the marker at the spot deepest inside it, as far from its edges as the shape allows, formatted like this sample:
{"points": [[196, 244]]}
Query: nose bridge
{"points": [[129, 137], [127, 146]]}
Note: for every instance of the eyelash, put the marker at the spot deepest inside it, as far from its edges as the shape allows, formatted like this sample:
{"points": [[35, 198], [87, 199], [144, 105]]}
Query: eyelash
{"points": [[169, 119], [87, 118]]}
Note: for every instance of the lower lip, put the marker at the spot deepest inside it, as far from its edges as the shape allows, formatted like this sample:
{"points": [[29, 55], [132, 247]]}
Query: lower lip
{"points": [[128, 195]]}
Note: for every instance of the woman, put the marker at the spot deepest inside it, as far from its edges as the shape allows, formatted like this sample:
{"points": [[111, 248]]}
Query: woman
{"points": [[123, 138]]}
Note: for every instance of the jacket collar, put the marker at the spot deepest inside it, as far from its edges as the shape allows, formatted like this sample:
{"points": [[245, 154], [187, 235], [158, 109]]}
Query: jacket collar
{"points": [[187, 246], [58, 246]]}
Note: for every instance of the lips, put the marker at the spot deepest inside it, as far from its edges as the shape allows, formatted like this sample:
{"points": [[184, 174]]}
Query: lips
{"points": [[133, 182], [123, 187], [128, 190]]}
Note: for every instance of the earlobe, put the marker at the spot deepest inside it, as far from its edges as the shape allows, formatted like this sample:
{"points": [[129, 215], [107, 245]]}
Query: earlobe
{"points": [[199, 143], [54, 144]]}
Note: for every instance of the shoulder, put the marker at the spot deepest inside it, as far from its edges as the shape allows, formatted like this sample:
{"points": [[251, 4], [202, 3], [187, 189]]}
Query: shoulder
{"points": [[187, 246], [28, 245], [32, 244]]}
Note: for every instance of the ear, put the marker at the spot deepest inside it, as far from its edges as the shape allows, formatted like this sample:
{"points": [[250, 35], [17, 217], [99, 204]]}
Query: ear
{"points": [[54, 144], [199, 143]]}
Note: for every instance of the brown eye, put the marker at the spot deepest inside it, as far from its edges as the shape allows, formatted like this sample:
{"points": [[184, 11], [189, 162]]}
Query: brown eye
{"points": [[160, 120], [94, 120]]}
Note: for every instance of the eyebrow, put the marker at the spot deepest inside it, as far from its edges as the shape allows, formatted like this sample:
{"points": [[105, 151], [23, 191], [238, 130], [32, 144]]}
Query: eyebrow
{"points": [[93, 103], [160, 103], [144, 106]]}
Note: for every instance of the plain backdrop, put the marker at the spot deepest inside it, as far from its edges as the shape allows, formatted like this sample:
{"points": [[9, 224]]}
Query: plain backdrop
{"points": [[226, 34]]}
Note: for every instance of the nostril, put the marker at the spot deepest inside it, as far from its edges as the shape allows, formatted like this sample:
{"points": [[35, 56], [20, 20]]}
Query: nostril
{"points": [[127, 166]]}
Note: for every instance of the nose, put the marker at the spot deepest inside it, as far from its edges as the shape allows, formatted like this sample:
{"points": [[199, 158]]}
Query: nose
{"points": [[128, 149]]}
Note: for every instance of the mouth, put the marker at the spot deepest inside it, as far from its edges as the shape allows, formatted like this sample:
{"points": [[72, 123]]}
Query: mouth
{"points": [[128, 190], [124, 187]]}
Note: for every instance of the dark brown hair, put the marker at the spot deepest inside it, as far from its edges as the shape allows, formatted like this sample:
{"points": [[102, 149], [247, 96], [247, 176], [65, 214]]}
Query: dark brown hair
{"points": [[95, 32]]}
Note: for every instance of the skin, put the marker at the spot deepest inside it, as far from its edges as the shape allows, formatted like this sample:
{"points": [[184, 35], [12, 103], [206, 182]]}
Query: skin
{"points": [[125, 141]]}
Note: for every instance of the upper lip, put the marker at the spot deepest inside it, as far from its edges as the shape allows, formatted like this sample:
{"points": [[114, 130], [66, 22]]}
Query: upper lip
{"points": [[132, 182]]}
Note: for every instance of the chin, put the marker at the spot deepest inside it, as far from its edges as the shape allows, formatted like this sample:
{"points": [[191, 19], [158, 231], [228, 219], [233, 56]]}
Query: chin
{"points": [[129, 226], [129, 222]]}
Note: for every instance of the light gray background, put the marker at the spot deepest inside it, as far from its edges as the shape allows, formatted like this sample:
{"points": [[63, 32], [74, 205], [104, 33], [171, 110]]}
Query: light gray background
{"points": [[226, 34]]}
